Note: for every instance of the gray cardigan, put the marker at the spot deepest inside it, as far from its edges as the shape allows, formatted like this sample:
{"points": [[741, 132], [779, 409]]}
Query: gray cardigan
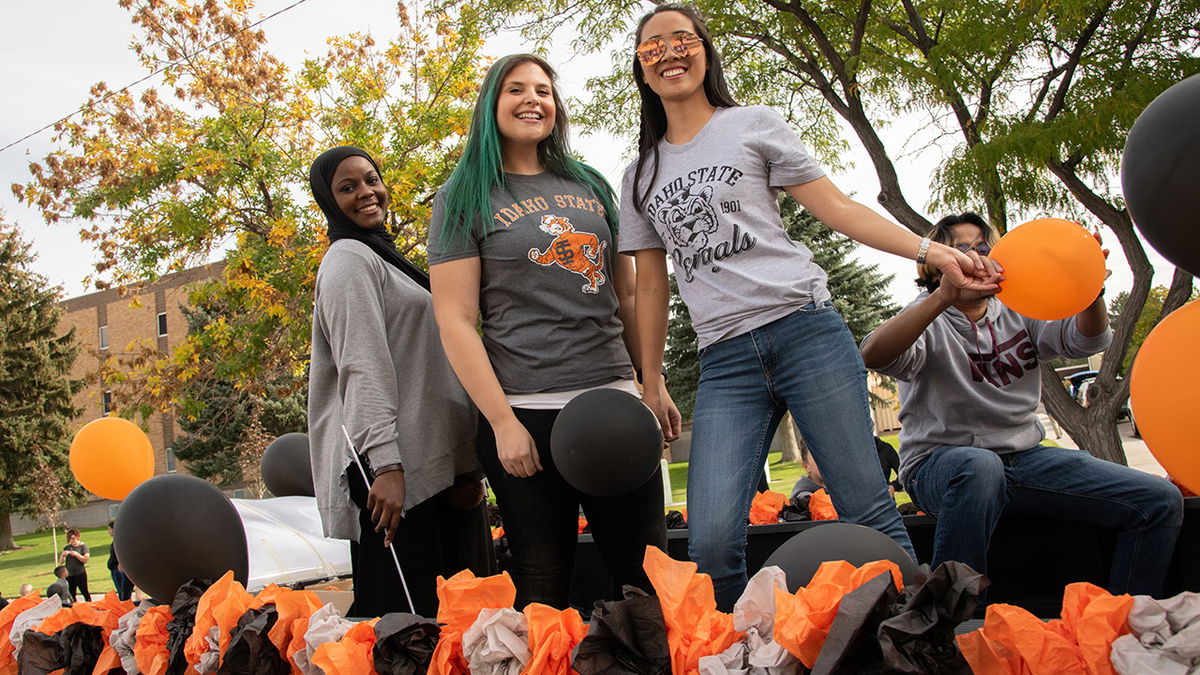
{"points": [[378, 367]]}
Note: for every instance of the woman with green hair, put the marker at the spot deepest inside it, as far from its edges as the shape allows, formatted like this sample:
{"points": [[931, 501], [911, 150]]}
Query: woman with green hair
{"points": [[523, 234]]}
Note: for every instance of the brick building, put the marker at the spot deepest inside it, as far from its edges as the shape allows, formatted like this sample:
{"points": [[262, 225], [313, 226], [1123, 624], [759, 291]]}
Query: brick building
{"points": [[108, 325]]}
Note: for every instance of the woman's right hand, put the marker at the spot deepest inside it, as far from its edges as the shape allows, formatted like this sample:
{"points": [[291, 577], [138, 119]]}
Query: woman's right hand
{"points": [[515, 447]]}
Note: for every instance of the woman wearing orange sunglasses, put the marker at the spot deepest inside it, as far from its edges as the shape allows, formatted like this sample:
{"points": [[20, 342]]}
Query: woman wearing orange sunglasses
{"points": [[703, 191]]}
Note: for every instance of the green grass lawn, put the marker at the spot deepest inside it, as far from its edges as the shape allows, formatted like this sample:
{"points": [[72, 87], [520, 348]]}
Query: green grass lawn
{"points": [[34, 562], [783, 476]]}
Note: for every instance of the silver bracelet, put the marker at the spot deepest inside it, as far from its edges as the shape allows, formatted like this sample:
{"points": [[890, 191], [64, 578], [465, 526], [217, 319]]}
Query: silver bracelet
{"points": [[922, 251]]}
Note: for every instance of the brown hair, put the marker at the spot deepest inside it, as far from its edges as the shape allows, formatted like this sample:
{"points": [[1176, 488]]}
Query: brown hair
{"points": [[930, 277]]}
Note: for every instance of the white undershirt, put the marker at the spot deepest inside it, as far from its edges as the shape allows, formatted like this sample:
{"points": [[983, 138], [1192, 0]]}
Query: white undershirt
{"points": [[555, 400]]}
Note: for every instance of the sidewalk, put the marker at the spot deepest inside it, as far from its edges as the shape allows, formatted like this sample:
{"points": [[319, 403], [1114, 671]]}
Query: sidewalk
{"points": [[1136, 452]]}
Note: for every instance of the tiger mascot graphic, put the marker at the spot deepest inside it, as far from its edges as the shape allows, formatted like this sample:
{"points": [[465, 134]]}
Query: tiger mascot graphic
{"points": [[690, 218], [578, 252]]}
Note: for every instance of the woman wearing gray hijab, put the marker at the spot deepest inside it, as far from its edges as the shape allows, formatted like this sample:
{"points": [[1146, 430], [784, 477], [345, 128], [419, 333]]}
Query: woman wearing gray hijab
{"points": [[378, 370]]}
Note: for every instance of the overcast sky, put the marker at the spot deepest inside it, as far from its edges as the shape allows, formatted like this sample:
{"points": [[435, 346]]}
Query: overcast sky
{"points": [[54, 52]]}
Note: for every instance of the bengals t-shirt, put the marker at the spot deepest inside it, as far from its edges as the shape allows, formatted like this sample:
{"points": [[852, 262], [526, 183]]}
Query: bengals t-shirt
{"points": [[712, 208], [545, 290]]}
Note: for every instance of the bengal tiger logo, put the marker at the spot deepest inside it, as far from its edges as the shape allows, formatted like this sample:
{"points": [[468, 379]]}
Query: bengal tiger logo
{"points": [[690, 217], [578, 252]]}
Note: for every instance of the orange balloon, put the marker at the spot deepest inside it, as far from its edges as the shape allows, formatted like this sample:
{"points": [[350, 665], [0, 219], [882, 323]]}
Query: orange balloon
{"points": [[1163, 397], [110, 456], [1053, 268]]}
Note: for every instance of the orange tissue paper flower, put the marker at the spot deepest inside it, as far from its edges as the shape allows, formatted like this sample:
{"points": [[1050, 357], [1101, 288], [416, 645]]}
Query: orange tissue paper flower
{"points": [[460, 599], [694, 626], [766, 506], [352, 654], [221, 605], [803, 619], [294, 608], [7, 616], [1014, 641], [150, 650], [820, 506], [552, 636]]}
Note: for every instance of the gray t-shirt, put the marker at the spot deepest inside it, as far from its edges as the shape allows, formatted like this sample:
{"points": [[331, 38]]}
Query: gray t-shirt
{"points": [[75, 565], [977, 384], [713, 209], [545, 289], [62, 590]]}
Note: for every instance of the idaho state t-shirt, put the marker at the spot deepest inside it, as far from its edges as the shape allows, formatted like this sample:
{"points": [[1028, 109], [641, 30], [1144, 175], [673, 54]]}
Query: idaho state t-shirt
{"points": [[713, 208], [545, 290]]}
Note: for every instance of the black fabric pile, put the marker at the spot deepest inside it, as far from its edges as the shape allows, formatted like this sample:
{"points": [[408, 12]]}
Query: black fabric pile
{"points": [[75, 648], [625, 637], [183, 620], [796, 510], [404, 644], [881, 630], [250, 650], [675, 520]]}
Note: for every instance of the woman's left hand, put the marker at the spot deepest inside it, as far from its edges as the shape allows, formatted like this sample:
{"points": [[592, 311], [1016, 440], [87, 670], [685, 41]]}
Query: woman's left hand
{"points": [[385, 501], [674, 422]]}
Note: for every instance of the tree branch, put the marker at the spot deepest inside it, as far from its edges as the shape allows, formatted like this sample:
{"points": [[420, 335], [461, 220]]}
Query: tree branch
{"points": [[1081, 44]]}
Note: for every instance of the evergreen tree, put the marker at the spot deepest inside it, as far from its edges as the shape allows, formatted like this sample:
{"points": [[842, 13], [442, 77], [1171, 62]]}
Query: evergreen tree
{"points": [[859, 293], [681, 359], [225, 425], [36, 390]]}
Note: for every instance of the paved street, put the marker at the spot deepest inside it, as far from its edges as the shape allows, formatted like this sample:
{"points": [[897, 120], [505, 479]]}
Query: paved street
{"points": [[1135, 448]]}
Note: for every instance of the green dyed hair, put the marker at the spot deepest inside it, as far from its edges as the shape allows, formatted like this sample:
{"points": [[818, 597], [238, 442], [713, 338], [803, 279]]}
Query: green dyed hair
{"points": [[481, 167]]}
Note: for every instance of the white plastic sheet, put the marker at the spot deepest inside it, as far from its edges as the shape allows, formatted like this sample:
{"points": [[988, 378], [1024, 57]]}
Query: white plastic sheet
{"points": [[286, 545]]}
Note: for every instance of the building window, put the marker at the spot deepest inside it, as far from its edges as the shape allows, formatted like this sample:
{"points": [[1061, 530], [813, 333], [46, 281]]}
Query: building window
{"points": [[103, 337], [106, 402], [162, 324], [170, 460], [241, 493]]}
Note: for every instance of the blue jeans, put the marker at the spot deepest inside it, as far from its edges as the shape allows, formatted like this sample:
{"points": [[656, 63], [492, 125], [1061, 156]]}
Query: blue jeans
{"points": [[968, 489], [121, 584], [805, 363]]}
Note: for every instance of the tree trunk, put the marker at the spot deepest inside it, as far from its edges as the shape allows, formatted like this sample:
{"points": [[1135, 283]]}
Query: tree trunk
{"points": [[1093, 429], [7, 543], [791, 440]]}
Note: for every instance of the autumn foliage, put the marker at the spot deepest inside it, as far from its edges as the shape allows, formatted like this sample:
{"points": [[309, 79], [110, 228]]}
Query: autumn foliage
{"points": [[213, 162]]}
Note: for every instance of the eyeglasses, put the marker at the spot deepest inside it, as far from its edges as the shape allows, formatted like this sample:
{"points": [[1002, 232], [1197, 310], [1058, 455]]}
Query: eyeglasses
{"points": [[981, 248], [683, 43]]}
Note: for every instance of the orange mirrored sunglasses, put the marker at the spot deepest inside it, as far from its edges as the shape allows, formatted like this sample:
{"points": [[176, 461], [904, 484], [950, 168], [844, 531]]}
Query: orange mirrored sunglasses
{"points": [[682, 42]]}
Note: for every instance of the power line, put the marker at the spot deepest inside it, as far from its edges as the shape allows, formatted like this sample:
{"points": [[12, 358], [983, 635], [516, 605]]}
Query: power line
{"points": [[143, 79]]}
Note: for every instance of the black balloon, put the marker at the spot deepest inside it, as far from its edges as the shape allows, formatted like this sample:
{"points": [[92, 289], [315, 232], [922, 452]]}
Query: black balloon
{"points": [[1159, 174], [286, 467], [174, 528], [606, 443], [800, 556]]}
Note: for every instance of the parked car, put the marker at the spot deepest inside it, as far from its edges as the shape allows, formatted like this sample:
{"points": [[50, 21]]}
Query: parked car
{"points": [[1081, 388]]}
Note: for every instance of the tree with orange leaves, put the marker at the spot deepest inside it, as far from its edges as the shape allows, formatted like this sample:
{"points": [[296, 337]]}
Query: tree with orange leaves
{"points": [[215, 158]]}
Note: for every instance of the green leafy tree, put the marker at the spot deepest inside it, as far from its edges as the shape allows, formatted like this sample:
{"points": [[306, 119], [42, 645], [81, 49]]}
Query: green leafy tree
{"points": [[1147, 319], [224, 425], [1029, 103], [36, 390], [215, 161], [859, 293]]}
